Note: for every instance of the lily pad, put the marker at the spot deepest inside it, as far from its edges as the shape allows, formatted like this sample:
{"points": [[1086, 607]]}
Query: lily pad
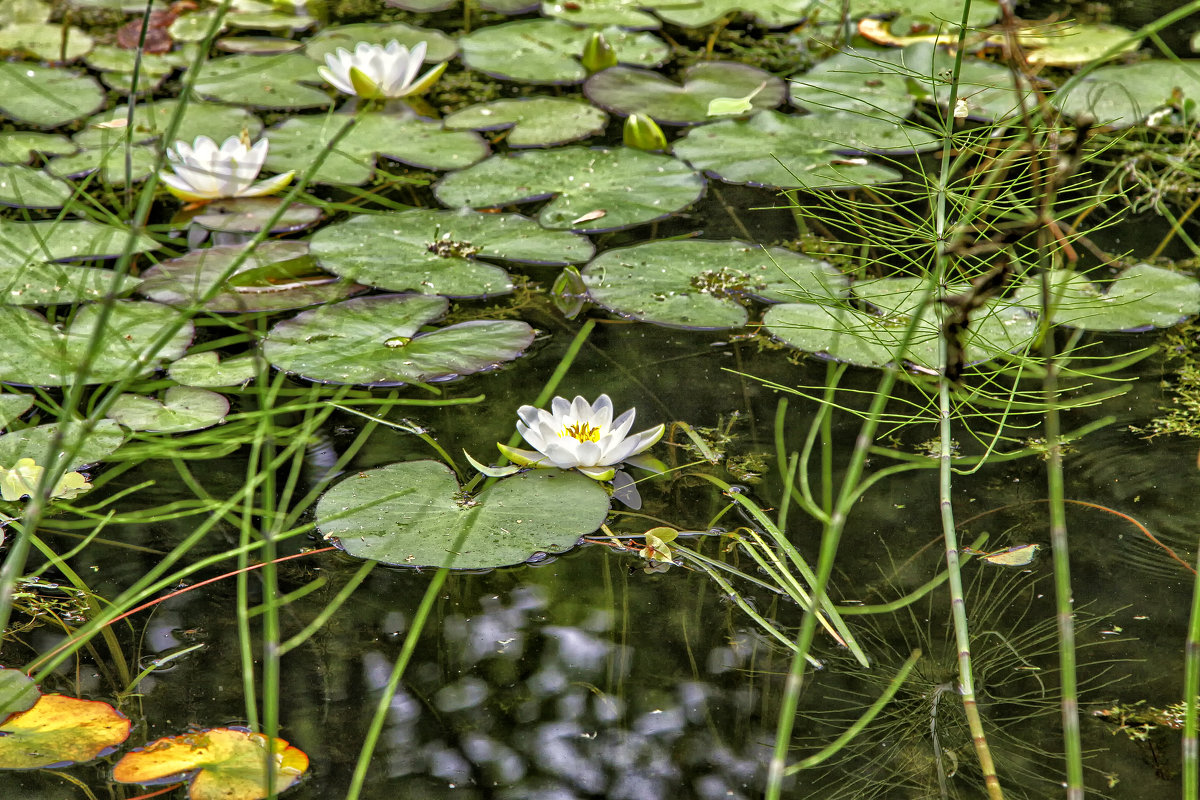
{"points": [[45, 41], [26, 187], [629, 187], [295, 143], [108, 130], [547, 51], [871, 82], [626, 14], [18, 692], [48, 283], [110, 163], [376, 341], [703, 284], [1071, 44], [208, 369], [1140, 298], [100, 441], [625, 90], [435, 252], [439, 46], [848, 334], [275, 276], [1123, 95], [250, 215], [58, 731], [532, 121], [19, 147], [47, 96], [50, 355], [499, 6], [772, 149], [11, 407], [277, 81], [916, 14], [65, 240], [413, 513], [986, 89], [183, 408], [218, 764]]}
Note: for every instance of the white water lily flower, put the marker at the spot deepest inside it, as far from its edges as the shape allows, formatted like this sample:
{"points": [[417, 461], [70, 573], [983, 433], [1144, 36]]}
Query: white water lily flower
{"points": [[204, 171], [580, 436], [378, 73]]}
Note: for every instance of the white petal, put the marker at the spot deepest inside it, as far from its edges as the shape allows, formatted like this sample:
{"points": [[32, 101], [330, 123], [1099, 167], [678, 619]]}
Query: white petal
{"points": [[622, 424], [559, 407]]}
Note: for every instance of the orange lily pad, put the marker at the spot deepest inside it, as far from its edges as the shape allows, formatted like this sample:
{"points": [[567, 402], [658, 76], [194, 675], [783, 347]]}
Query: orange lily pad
{"points": [[60, 730], [221, 764]]}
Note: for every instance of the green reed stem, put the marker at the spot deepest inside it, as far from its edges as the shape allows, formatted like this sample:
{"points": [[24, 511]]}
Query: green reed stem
{"points": [[1191, 696]]}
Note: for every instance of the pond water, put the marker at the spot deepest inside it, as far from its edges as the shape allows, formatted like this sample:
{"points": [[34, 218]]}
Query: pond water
{"points": [[588, 674]]}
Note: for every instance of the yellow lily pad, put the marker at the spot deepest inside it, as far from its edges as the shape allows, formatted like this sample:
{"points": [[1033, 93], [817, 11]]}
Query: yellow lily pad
{"points": [[60, 730], [219, 764]]}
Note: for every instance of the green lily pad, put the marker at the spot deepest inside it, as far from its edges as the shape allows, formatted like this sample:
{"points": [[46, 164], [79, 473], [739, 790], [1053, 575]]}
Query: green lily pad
{"points": [[625, 90], [64, 240], [593, 190], [986, 88], [15, 11], [439, 46], [11, 407], [183, 408], [101, 440], [772, 149], [276, 276], [420, 143], [110, 163], [110, 58], [1125, 94], [1140, 298], [278, 81], [18, 692], [849, 132], [376, 341], [26, 187], [257, 45], [532, 121], [919, 14], [250, 215], [848, 334], [413, 513], [49, 355], [19, 147], [47, 283], [209, 370], [703, 284], [626, 14], [435, 252], [106, 131], [45, 41], [47, 96], [547, 51], [1070, 44], [499, 6], [871, 82]]}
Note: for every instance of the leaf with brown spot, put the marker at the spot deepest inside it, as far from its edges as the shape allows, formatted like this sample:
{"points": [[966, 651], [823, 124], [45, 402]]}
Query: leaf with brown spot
{"points": [[60, 730]]}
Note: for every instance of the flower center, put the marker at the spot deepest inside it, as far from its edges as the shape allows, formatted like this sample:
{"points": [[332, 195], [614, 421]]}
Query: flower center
{"points": [[580, 431]]}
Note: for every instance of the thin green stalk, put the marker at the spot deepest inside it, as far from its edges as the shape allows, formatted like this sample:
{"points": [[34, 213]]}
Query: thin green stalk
{"points": [[1191, 693]]}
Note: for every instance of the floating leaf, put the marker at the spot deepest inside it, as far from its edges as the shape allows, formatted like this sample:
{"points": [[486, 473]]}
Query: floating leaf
{"points": [[24, 477], [1139, 298], [150, 119], [98, 442], [772, 149], [19, 147], [183, 408], [26, 187], [45, 41], [24, 243], [276, 81], [630, 186], [625, 90], [18, 692], [1126, 94], [60, 730], [50, 355], [423, 144], [275, 276], [413, 513], [46, 96], [435, 252], [219, 764], [915, 14], [47, 284], [1070, 43], [375, 341], [871, 82], [209, 370], [11, 407], [439, 46], [250, 214], [704, 285], [548, 51], [626, 14], [534, 121]]}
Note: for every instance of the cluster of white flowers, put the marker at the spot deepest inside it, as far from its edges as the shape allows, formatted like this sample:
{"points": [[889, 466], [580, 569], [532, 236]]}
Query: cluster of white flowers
{"points": [[203, 171]]}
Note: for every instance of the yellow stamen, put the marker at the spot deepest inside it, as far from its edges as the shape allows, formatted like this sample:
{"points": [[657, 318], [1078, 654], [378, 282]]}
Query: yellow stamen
{"points": [[581, 431]]}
